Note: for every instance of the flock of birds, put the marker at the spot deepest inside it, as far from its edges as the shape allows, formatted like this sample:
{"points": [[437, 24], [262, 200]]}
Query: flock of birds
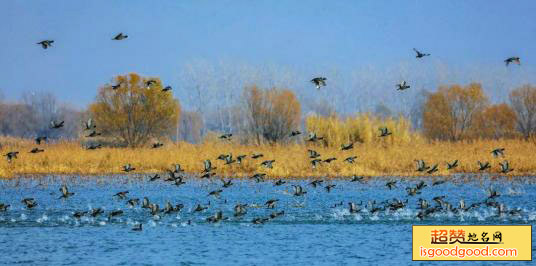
{"points": [[176, 177], [425, 209]]}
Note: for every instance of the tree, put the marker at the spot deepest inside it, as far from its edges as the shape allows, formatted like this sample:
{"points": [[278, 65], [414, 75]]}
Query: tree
{"points": [[270, 115], [190, 127], [45, 108], [134, 112], [495, 122], [450, 111], [523, 101]]}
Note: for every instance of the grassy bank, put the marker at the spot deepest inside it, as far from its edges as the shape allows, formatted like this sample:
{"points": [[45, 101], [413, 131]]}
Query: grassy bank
{"points": [[71, 158]]}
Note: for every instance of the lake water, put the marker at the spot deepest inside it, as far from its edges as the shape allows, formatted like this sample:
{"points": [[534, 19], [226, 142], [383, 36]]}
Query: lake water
{"points": [[312, 230]]}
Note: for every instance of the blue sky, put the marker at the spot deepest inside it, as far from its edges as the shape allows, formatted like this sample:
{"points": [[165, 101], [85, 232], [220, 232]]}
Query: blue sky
{"points": [[311, 36]]}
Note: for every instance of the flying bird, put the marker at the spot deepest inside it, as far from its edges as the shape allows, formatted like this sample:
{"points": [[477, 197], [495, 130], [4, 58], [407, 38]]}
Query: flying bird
{"points": [[402, 86], [385, 132], [513, 59], [89, 124], [419, 54], [120, 37], [498, 152], [452, 165], [36, 150], [56, 125], [46, 43], [65, 192], [319, 82], [11, 155], [505, 167]]}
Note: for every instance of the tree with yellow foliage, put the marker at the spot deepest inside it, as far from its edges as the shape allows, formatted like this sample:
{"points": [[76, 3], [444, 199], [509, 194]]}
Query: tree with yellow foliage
{"points": [[449, 112], [135, 109], [270, 115], [495, 122]]}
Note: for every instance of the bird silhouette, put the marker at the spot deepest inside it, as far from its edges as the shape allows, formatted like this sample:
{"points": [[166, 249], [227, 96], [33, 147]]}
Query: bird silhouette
{"points": [[298, 190], [505, 167], [391, 184], [316, 183], [133, 202], [240, 210], [157, 145], [36, 150], [120, 37], [402, 86], [498, 152], [93, 134], [93, 146], [138, 227], [30, 203], [270, 204], [150, 83], [329, 187], [319, 82], [215, 193], [452, 165], [384, 132], [483, 166], [216, 218], [295, 133], [279, 182], [350, 159], [268, 164], [128, 168], [65, 192], [89, 124], [227, 183], [96, 212], [353, 207], [56, 125], [274, 215], [513, 59], [4, 207], [227, 136], [46, 43], [121, 194], [356, 178], [11, 155], [348, 146], [313, 154], [239, 158], [433, 169], [316, 162], [256, 155], [313, 137], [420, 54], [421, 166], [208, 166]]}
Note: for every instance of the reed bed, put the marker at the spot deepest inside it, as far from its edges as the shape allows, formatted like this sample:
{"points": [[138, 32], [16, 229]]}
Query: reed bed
{"points": [[292, 161]]}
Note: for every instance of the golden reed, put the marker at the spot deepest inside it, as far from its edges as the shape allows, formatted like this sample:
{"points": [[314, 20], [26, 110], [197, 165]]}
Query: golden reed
{"points": [[373, 159]]}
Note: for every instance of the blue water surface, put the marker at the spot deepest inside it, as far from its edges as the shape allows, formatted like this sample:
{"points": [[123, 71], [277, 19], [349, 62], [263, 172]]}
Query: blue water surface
{"points": [[315, 229]]}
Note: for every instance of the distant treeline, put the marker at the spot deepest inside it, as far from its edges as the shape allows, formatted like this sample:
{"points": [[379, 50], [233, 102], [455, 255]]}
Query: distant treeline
{"points": [[131, 112]]}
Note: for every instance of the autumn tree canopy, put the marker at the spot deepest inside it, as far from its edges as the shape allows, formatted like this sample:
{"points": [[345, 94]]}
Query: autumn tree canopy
{"points": [[449, 112], [270, 115], [495, 122], [134, 112]]}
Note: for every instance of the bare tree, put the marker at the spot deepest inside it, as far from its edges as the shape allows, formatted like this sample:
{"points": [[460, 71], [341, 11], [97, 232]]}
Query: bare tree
{"points": [[523, 101]]}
